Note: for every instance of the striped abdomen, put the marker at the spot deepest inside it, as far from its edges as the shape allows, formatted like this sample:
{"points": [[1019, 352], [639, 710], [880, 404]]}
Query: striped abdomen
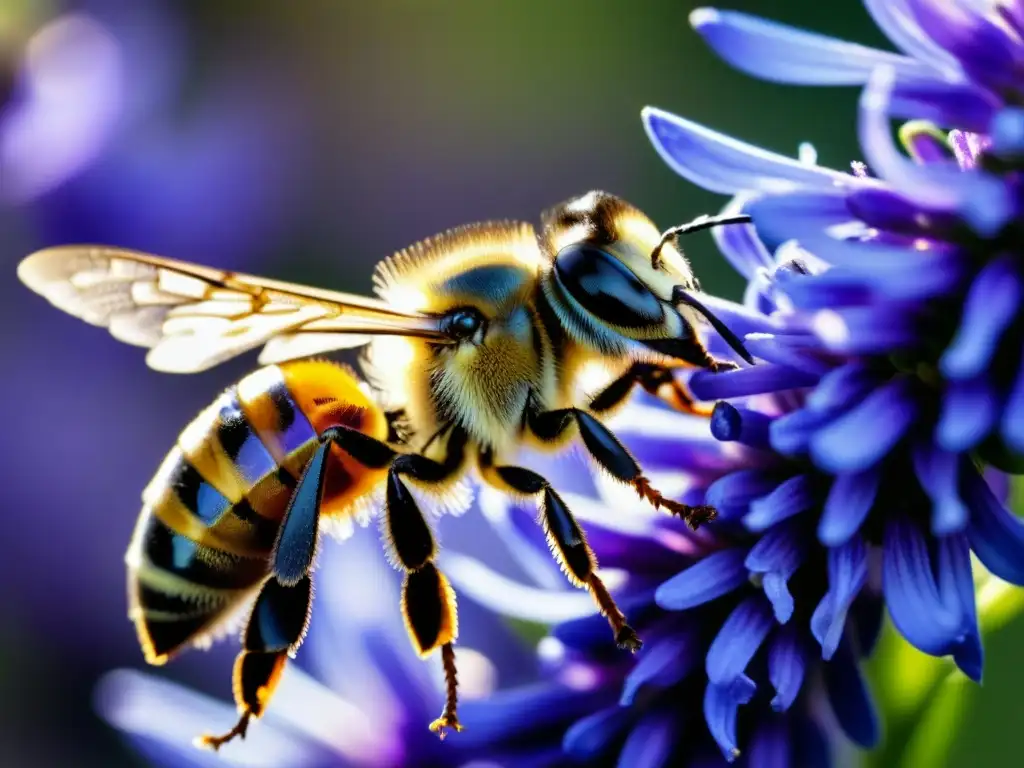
{"points": [[212, 512]]}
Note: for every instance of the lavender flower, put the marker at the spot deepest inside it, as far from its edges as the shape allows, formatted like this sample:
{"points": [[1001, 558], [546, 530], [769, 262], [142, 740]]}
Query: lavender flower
{"points": [[926, 260], [365, 702]]}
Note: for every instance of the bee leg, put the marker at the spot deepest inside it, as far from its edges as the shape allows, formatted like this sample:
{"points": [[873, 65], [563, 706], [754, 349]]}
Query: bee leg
{"points": [[428, 600], [654, 379], [567, 541], [280, 615], [275, 630], [613, 456]]}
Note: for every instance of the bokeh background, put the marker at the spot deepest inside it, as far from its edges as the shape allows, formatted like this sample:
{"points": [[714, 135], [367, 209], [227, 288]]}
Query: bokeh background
{"points": [[306, 141]]}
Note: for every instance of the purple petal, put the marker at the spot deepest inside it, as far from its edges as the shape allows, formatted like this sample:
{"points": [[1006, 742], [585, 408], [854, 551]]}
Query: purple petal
{"points": [[956, 586], [722, 164], [968, 414], [777, 350], [871, 256], [847, 572], [790, 215], [784, 54], [732, 424], [769, 747], [943, 103], [841, 388], [863, 435], [876, 329], [791, 434], [513, 713], [793, 496], [739, 243], [850, 698], [983, 49], [889, 211], [939, 473], [707, 579], [757, 380], [849, 500], [1008, 133], [911, 593], [739, 319], [661, 666], [651, 743], [992, 303], [997, 537], [777, 555], [786, 666], [737, 489], [895, 18], [813, 747], [1013, 415], [721, 703], [926, 185], [738, 640], [588, 738]]}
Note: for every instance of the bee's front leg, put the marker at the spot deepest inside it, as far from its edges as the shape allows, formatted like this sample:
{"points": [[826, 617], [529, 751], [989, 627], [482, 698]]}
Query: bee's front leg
{"points": [[613, 456]]}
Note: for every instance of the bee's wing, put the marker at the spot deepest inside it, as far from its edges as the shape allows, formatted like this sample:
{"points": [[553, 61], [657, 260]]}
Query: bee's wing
{"points": [[193, 317]]}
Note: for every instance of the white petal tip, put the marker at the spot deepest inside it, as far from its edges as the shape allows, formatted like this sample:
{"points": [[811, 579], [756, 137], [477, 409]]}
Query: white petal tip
{"points": [[700, 17]]}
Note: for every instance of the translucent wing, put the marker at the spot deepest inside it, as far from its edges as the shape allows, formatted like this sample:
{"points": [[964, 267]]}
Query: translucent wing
{"points": [[193, 317]]}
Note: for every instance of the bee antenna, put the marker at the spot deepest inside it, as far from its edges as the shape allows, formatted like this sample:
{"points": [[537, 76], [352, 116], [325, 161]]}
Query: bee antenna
{"points": [[680, 296], [697, 225]]}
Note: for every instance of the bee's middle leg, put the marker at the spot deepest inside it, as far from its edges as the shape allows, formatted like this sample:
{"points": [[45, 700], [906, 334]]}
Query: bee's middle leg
{"points": [[567, 541], [657, 380], [613, 456]]}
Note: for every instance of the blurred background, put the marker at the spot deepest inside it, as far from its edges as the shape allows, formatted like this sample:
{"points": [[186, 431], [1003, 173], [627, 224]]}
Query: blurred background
{"points": [[306, 141]]}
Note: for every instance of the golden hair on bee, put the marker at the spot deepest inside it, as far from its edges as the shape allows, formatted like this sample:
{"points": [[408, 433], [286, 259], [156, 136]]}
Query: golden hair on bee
{"points": [[479, 342]]}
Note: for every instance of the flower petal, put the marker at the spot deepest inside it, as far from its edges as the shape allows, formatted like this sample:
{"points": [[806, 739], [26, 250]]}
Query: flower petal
{"points": [[847, 572], [784, 54], [939, 473], [863, 435], [588, 738], [850, 698], [1013, 417], [791, 434], [707, 579], [849, 500], [786, 666], [650, 744], [722, 164], [997, 537], [968, 414], [793, 496], [911, 593], [721, 703], [732, 424], [778, 350], [757, 380], [841, 388], [880, 328], [993, 302], [738, 640], [739, 243], [661, 666], [777, 555], [769, 746], [895, 18], [956, 586], [737, 489], [943, 103]]}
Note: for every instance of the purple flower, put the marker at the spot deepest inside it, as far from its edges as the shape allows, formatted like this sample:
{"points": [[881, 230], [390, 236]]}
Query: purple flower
{"points": [[358, 695], [736, 618], [925, 259]]}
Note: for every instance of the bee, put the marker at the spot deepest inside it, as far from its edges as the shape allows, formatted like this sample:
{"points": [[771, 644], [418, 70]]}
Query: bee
{"points": [[478, 337]]}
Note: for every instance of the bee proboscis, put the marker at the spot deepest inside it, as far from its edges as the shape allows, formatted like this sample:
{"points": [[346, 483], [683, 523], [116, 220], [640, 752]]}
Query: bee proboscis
{"points": [[478, 338]]}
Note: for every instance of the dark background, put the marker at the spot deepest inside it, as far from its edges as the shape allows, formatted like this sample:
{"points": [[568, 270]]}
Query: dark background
{"points": [[305, 141]]}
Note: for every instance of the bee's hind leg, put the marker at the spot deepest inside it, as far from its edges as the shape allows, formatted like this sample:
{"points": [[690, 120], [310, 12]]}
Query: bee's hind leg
{"points": [[280, 615]]}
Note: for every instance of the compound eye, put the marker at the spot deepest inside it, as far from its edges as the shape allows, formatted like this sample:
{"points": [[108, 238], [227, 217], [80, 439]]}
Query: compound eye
{"points": [[606, 287], [462, 323]]}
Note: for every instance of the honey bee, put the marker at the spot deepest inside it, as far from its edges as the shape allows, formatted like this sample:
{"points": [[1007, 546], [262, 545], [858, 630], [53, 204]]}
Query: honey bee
{"points": [[478, 337]]}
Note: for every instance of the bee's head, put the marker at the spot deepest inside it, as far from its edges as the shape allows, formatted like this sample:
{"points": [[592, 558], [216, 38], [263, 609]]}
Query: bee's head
{"points": [[615, 280]]}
